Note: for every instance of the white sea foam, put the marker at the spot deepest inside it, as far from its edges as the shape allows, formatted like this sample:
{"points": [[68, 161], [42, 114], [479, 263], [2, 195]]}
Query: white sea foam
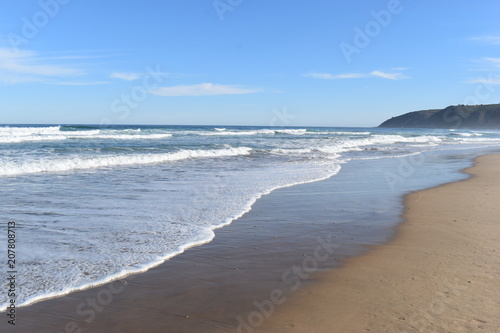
{"points": [[290, 151], [130, 136], [470, 134], [13, 168], [234, 133], [28, 138], [338, 133], [7, 130], [291, 131], [479, 140], [53, 134], [342, 145], [270, 131]]}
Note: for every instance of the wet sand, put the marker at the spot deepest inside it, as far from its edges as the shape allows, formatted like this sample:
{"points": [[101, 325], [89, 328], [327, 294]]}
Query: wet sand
{"points": [[439, 274]]}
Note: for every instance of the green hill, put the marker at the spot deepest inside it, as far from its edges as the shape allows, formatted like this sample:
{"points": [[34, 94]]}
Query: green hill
{"points": [[457, 116]]}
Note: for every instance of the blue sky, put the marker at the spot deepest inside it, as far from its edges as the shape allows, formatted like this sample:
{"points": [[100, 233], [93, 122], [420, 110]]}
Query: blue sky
{"points": [[242, 62]]}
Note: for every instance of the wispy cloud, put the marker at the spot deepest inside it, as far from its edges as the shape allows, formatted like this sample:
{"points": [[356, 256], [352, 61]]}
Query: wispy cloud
{"points": [[76, 83], [488, 39], [394, 75], [389, 76], [125, 76], [491, 65], [490, 80], [26, 66], [203, 89], [328, 76], [492, 61], [71, 57], [131, 76]]}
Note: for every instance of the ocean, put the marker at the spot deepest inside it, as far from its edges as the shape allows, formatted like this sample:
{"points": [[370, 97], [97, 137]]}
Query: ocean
{"points": [[93, 204]]}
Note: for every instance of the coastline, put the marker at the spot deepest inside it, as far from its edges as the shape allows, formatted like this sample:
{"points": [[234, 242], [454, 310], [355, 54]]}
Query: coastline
{"points": [[216, 286], [438, 274], [195, 291]]}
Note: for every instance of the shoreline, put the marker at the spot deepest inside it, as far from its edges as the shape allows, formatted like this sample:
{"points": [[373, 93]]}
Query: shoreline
{"points": [[179, 251], [242, 258], [211, 287], [439, 273]]}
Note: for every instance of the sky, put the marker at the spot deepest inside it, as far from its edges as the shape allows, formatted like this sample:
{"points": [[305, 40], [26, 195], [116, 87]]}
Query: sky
{"points": [[240, 62]]}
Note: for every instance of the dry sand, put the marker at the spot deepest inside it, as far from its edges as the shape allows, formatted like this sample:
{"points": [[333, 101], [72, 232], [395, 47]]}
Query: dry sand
{"points": [[441, 273]]}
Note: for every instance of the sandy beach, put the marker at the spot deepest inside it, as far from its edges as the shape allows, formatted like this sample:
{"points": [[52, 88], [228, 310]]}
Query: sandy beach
{"points": [[440, 274]]}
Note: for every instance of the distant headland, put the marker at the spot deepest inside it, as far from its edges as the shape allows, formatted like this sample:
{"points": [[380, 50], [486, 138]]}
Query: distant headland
{"points": [[456, 116]]}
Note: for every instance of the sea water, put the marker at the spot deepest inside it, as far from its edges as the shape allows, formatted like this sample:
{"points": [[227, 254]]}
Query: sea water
{"points": [[93, 204]]}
